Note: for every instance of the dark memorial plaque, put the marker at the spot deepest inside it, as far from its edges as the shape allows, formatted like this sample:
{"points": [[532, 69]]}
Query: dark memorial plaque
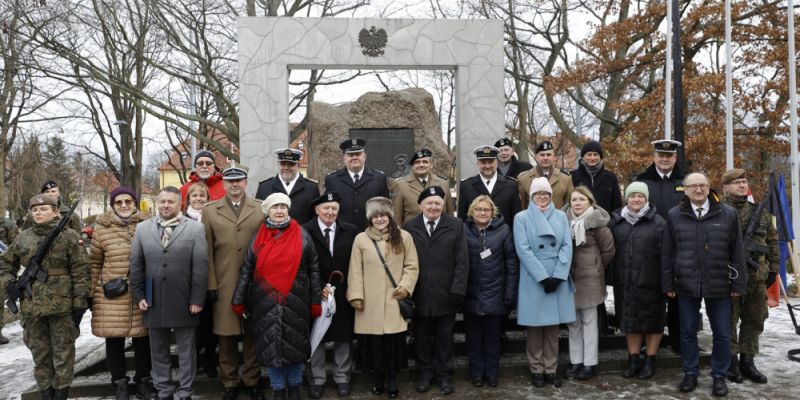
{"points": [[388, 149]]}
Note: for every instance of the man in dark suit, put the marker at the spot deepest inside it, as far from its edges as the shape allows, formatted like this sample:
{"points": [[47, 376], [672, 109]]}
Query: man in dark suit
{"points": [[301, 190], [441, 287], [333, 241], [356, 183], [507, 162], [501, 189]]}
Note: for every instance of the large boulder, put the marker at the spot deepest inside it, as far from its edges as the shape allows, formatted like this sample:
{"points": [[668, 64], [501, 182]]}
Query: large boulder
{"points": [[409, 108]]}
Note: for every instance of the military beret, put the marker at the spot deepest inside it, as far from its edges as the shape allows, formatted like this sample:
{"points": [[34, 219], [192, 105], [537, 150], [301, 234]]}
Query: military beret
{"points": [[326, 197], [421, 153], [234, 172], [543, 146], [43, 200], [733, 174], [49, 184], [504, 142], [354, 145], [431, 191], [290, 155], [485, 152], [666, 146], [204, 153]]}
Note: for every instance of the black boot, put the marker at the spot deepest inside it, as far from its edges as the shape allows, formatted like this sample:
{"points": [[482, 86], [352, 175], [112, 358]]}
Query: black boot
{"points": [[749, 370], [145, 389], [279, 394], [633, 366], [572, 370], [61, 394], [648, 368], [47, 394], [121, 389], [294, 393], [734, 374]]}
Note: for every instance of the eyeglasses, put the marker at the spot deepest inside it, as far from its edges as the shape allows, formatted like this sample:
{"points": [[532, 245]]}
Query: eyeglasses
{"points": [[204, 163], [126, 202], [739, 182], [483, 210], [541, 195], [696, 186]]}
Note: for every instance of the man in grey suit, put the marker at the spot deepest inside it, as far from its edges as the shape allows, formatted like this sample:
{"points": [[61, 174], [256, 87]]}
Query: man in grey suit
{"points": [[169, 278]]}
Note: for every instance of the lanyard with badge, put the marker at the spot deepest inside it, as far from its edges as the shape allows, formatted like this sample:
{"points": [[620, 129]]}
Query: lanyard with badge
{"points": [[486, 253]]}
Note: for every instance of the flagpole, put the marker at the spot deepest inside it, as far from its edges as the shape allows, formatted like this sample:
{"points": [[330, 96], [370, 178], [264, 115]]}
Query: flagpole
{"points": [[728, 89], [668, 76], [793, 125]]}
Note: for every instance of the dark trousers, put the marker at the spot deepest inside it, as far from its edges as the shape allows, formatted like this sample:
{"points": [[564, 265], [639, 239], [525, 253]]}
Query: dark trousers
{"points": [[434, 345], [483, 345], [115, 357], [206, 339], [674, 325], [385, 353], [718, 311]]}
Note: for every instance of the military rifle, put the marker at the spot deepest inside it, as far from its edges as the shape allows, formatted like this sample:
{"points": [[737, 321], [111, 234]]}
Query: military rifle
{"points": [[21, 287]]}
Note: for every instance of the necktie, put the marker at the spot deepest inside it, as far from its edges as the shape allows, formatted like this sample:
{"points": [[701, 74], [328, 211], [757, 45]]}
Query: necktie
{"points": [[235, 206], [423, 182], [699, 212], [355, 178], [488, 182], [328, 238], [431, 224]]}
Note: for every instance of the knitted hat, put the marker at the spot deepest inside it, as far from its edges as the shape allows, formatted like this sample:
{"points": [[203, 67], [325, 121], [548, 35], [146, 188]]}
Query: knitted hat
{"points": [[637, 187], [592, 145], [379, 206], [540, 184], [204, 153], [121, 190], [274, 199], [732, 175]]}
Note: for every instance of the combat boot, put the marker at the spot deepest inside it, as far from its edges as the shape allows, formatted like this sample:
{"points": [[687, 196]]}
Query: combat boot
{"points": [[749, 370], [61, 394], [47, 394], [121, 389], [3, 339], [734, 375]]}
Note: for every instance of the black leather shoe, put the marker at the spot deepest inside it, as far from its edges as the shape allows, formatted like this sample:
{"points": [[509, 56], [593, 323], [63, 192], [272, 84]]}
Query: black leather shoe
{"points": [[254, 392], [145, 389], [293, 393], [734, 374], [186, 398], [688, 384], [423, 385], [491, 381], [552, 379], [648, 368], [633, 366], [477, 382], [537, 380], [46, 394], [446, 387], [343, 389], [166, 398], [749, 370], [393, 393], [720, 387], [315, 391], [377, 390], [572, 370], [587, 372], [230, 393], [61, 394], [121, 389]]}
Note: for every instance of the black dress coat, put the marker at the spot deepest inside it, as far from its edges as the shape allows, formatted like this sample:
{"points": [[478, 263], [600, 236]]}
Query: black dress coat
{"points": [[281, 330], [443, 265], [352, 208], [341, 329], [303, 193], [664, 193], [517, 167], [505, 196], [604, 186], [636, 272]]}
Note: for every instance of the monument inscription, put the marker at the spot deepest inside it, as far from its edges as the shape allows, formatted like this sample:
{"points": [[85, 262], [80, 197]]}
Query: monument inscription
{"points": [[388, 149]]}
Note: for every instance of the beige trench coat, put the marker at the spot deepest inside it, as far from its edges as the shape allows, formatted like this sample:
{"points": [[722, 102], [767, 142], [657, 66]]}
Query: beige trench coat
{"points": [[228, 238], [367, 281]]}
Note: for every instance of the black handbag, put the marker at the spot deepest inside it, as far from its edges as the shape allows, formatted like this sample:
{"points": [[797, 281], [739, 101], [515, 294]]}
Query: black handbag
{"points": [[115, 287], [407, 304]]}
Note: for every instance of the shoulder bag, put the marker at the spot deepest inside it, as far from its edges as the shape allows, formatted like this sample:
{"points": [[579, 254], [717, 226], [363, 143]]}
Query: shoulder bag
{"points": [[407, 304]]}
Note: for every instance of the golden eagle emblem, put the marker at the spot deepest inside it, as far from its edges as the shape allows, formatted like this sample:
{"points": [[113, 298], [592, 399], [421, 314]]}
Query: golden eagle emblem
{"points": [[372, 41]]}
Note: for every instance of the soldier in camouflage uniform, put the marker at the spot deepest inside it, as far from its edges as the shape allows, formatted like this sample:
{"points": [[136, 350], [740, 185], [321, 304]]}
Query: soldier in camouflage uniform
{"points": [[47, 316], [751, 307], [8, 232], [51, 188]]}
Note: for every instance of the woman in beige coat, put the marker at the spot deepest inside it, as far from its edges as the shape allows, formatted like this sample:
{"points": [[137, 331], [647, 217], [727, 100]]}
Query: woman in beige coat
{"points": [[369, 290], [118, 318]]}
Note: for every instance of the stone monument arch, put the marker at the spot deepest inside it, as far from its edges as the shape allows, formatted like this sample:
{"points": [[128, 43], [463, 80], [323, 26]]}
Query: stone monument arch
{"points": [[269, 47]]}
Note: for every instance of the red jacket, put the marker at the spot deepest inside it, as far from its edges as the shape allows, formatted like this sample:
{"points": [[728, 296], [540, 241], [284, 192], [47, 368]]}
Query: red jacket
{"points": [[214, 183]]}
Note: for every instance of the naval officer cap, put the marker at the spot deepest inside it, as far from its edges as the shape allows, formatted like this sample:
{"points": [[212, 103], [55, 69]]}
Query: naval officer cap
{"points": [[504, 142], [289, 155], [327, 197], [543, 146], [485, 152], [234, 172], [354, 145], [666, 146], [421, 153], [431, 191]]}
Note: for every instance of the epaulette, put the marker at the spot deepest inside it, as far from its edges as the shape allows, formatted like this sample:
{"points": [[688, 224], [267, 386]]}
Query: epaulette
{"points": [[333, 172], [316, 182], [379, 171], [565, 172], [440, 177], [513, 178], [468, 178], [268, 179]]}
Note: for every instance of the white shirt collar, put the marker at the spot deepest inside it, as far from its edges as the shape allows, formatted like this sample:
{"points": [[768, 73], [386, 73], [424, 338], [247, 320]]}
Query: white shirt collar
{"points": [[492, 181], [705, 206], [353, 174], [322, 226], [435, 221], [291, 183]]}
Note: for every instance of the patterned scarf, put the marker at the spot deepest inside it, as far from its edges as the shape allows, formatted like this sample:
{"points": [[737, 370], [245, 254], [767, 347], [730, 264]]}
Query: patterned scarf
{"points": [[167, 227]]}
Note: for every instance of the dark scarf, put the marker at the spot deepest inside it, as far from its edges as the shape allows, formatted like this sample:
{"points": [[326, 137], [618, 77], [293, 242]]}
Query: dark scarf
{"points": [[593, 170], [278, 253]]}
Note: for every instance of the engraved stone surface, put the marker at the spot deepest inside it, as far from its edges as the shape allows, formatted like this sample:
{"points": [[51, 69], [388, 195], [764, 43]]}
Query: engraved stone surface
{"points": [[270, 46], [389, 149]]}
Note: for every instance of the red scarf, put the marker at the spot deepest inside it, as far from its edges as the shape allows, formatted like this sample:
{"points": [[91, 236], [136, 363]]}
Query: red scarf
{"points": [[278, 256]]}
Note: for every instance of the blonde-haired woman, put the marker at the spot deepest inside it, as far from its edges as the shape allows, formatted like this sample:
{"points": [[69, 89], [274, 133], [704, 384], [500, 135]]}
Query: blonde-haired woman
{"points": [[374, 297]]}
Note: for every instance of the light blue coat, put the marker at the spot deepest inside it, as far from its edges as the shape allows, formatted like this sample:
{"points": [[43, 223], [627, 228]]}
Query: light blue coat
{"points": [[544, 248]]}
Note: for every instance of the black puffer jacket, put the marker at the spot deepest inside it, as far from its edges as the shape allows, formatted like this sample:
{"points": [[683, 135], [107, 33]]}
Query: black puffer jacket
{"points": [[281, 330], [636, 272], [604, 186], [493, 281], [696, 253]]}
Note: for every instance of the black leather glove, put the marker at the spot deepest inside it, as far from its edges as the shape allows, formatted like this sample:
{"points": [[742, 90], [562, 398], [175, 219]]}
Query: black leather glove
{"points": [[213, 295], [77, 316], [771, 277], [12, 291], [456, 300], [551, 284]]}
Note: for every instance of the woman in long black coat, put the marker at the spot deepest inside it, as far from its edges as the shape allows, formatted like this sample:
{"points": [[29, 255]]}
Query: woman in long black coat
{"points": [[491, 288], [636, 276], [279, 285]]}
